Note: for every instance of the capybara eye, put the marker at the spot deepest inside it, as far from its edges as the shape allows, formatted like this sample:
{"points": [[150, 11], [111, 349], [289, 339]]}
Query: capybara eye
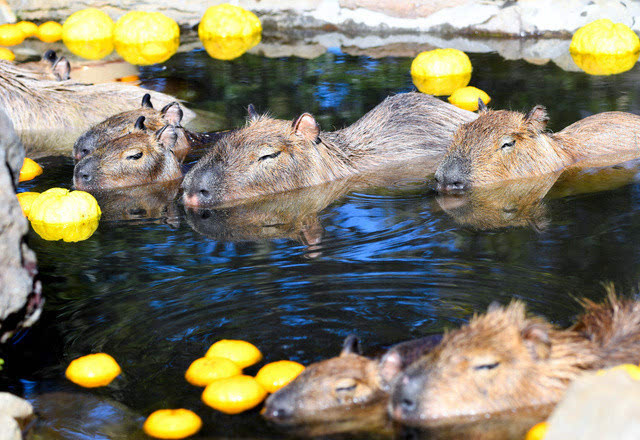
{"points": [[136, 156], [486, 366], [508, 144], [345, 385], [270, 156]]}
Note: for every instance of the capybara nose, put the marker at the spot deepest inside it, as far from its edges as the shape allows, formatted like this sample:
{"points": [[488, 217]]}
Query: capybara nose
{"points": [[451, 176], [84, 173], [278, 407], [81, 154], [405, 398], [199, 187]]}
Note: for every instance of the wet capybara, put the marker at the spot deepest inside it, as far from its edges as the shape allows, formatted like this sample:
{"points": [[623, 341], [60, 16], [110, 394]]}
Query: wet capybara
{"points": [[327, 390], [504, 361], [503, 145], [141, 157], [50, 67], [272, 155], [50, 115]]}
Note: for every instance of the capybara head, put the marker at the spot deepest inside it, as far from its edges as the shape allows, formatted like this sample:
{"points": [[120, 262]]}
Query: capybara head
{"points": [[142, 156], [123, 123], [498, 145], [324, 390], [266, 156], [499, 361], [50, 67]]}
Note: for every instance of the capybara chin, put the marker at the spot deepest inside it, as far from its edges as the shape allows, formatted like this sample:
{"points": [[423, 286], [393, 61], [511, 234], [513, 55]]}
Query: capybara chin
{"points": [[141, 157], [503, 361], [328, 390], [503, 145], [273, 155]]}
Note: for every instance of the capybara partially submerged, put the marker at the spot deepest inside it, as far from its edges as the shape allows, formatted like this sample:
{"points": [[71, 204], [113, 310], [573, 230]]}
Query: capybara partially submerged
{"points": [[50, 115], [272, 155], [327, 390], [143, 156], [504, 360], [503, 145]]}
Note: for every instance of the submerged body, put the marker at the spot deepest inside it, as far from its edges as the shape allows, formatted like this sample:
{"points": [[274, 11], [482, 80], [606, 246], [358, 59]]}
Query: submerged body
{"points": [[273, 155], [503, 145], [503, 361]]}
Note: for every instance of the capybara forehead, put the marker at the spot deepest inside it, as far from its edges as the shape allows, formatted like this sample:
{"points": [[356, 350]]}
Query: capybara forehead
{"points": [[488, 129], [350, 365], [258, 132], [143, 139], [127, 119]]}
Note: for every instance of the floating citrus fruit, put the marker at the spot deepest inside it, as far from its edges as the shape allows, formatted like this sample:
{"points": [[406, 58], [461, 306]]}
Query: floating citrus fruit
{"points": [[234, 395], [632, 370], [146, 37], [276, 375], [10, 35], [205, 370], [441, 71], [89, 33], [467, 98], [172, 423], [225, 20], [29, 170], [6, 54], [49, 32], [604, 37], [93, 370], [229, 48], [26, 200], [28, 28], [594, 64], [537, 432], [242, 353]]}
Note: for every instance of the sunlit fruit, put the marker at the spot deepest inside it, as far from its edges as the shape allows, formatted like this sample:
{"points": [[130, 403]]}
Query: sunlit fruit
{"points": [[276, 375], [229, 48], [93, 370], [29, 170], [49, 32], [234, 395], [89, 33], [604, 37], [537, 432], [242, 353], [632, 370], [596, 64], [467, 98], [225, 20], [144, 38], [6, 54], [172, 423], [205, 370], [441, 71], [28, 28], [10, 35], [26, 200]]}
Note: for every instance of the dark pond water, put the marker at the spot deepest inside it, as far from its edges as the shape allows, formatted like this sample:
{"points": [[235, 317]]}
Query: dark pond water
{"points": [[295, 274]]}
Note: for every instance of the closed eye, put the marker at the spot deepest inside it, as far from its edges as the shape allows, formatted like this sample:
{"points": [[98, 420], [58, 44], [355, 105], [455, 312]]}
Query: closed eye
{"points": [[135, 156], [346, 389], [509, 144], [486, 366], [270, 156]]}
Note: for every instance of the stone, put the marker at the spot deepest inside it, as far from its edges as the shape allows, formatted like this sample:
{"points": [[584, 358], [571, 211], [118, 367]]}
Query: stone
{"points": [[9, 428], [14, 406], [598, 407]]}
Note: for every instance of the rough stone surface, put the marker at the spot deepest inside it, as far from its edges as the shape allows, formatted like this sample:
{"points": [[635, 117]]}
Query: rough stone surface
{"points": [[9, 429], [598, 407], [20, 300], [14, 406]]}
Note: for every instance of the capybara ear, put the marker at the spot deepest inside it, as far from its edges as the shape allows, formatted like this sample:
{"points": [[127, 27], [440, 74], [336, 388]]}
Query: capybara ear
{"points": [[307, 127], [167, 137], [62, 69], [351, 345], [172, 114], [251, 111], [139, 125], [482, 107], [389, 366], [146, 101], [537, 118], [51, 56], [536, 339]]}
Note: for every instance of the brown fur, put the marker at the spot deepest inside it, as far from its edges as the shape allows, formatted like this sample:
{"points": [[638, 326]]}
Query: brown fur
{"points": [[503, 145], [272, 155], [50, 115], [504, 360]]}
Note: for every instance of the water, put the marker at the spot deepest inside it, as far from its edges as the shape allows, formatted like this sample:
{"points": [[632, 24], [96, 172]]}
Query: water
{"points": [[156, 285]]}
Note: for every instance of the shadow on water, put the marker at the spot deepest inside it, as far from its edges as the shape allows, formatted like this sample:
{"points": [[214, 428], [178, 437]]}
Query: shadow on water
{"points": [[295, 273]]}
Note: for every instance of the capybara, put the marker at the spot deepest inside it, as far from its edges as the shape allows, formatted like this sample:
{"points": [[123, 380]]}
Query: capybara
{"points": [[327, 390], [50, 115], [504, 361], [143, 156], [50, 67], [503, 145], [272, 155]]}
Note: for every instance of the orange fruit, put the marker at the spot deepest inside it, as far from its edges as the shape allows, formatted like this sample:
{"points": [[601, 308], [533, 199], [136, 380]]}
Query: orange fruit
{"points": [[467, 98], [172, 423], [49, 31], [29, 170], [242, 353], [276, 375], [28, 28], [537, 432], [205, 370], [6, 54], [234, 395], [10, 35], [93, 370], [26, 199]]}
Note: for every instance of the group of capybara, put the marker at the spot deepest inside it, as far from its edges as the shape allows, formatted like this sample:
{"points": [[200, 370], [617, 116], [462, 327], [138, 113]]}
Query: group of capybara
{"points": [[500, 361]]}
